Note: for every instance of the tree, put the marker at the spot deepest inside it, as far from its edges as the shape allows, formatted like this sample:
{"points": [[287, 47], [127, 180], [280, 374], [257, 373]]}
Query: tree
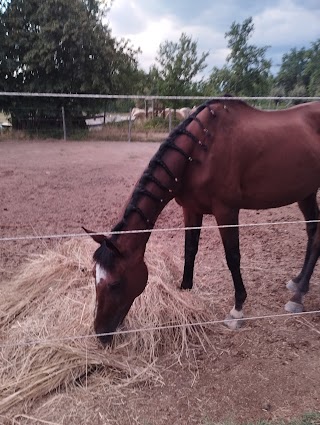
{"points": [[247, 71], [60, 46], [292, 73], [179, 66], [299, 90], [312, 69], [299, 73]]}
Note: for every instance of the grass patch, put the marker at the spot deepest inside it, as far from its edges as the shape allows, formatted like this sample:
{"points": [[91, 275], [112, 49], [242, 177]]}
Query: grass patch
{"points": [[307, 419]]}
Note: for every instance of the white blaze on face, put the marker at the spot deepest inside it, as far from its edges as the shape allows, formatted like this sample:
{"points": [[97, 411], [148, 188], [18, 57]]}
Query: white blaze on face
{"points": [[100, 274]]}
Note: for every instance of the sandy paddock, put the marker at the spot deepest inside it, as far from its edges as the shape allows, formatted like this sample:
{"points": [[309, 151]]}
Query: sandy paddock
{"points": [[267, 370]]}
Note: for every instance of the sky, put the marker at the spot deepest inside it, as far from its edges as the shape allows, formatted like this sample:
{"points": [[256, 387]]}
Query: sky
{"points": [[280, 24]]}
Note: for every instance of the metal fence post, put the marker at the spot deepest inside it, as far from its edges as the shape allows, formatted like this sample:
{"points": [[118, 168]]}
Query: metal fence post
{"points": [[130, 122], [64, 124], [170, 120]]}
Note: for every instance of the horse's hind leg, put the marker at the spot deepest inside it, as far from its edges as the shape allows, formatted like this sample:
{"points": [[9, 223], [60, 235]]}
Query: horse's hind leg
{"points": [[310, 211], [300, 284], [191, 246]]}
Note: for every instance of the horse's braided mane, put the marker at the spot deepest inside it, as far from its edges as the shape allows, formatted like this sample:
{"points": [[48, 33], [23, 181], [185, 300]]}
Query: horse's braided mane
{"points": [[156, 161]]}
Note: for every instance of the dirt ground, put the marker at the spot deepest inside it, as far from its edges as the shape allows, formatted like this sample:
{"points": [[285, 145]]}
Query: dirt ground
{"points": [[270, 369]]}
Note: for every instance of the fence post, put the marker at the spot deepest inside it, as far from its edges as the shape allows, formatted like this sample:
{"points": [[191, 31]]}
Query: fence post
{"points": [[64, 124], [146, 107], [129, 130], [170, 120]]}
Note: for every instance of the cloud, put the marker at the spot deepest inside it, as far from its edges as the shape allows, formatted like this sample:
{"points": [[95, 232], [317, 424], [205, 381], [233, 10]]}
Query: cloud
{"points": [[289, 24], [126, 17], [142, 26], [147, 30], [152, 36], [308, 4], [283, 24]]}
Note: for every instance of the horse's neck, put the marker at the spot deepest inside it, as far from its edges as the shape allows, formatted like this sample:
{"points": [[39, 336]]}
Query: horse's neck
{"points": [[158, 185]]}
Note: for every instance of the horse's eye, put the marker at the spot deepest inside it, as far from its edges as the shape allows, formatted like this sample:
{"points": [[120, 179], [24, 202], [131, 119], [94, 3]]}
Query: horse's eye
{"points": [[116, 286]]}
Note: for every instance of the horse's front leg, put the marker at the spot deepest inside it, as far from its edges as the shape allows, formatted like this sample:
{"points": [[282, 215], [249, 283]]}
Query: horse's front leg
{"points": [[192, 236], [230, 240]]}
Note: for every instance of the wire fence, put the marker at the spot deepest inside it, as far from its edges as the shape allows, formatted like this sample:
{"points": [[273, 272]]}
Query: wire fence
{"points": [[125, 118], [274, 316], [106, 117], [47, 341], [157, 230]]}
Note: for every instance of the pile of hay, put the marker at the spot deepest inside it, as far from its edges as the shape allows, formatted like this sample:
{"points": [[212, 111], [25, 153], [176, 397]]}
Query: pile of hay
{"points": [[46, 315]]}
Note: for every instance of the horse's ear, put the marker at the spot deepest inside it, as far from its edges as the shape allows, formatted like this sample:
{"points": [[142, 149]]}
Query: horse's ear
{"points": [[95, 236], [100, 239], [111, 245]]}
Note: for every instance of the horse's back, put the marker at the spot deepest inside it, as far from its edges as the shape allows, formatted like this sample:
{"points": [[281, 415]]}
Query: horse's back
{"points": [[258, 159], [311, 116]]}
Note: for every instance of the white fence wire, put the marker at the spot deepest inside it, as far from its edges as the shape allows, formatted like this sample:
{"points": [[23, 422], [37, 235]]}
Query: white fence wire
{"points": [[76, 235], [32, 342], [157, 230], [154, 97], [115, 121]]}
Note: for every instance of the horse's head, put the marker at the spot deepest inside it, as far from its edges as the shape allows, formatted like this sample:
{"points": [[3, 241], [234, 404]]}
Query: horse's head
{"points": [[119, 279]]}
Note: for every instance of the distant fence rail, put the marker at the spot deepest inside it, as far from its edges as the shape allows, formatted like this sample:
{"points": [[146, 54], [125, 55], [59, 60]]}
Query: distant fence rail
{"points": [[154, 97], [117, 119]]}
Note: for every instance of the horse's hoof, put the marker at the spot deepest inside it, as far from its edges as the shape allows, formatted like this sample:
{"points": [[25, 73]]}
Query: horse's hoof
{"points": [[292, 286], [233, 323], [234, 320], [186, 285], [182, 288], [293, 307]]}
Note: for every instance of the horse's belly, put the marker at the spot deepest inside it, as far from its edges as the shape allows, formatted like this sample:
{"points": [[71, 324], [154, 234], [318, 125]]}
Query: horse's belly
{"points": [[279, 192]]}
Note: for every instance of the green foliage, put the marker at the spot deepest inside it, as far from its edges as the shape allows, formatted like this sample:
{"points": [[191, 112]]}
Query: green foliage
{"points": [[179, 66], [247, 71], [299, 73], [159, 123], [63, 46], [307, 419], [60, 46], [312, 69], [292, 71]]}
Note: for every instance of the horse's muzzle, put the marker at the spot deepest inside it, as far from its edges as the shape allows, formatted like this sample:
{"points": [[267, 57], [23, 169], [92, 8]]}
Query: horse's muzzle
{"points": [[105, 339]]}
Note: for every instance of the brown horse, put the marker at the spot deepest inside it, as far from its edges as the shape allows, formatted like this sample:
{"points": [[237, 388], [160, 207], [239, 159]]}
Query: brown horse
{"points": [[226, 156]]}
